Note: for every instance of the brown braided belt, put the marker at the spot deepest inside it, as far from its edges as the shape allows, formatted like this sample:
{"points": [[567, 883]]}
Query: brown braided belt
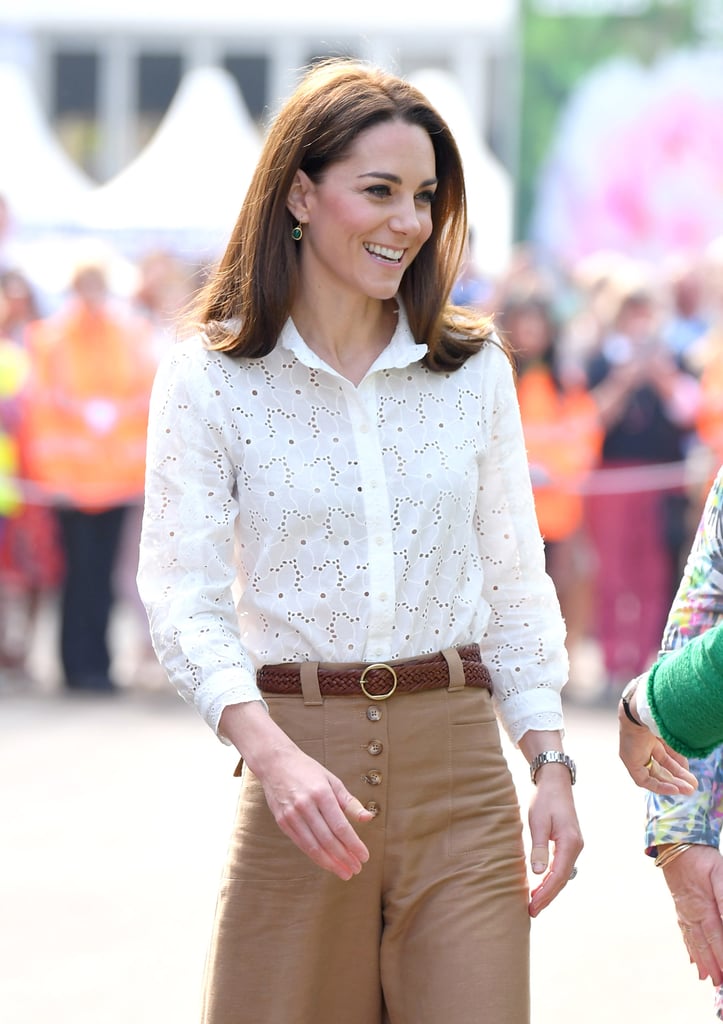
{"points": [[380, 680]]}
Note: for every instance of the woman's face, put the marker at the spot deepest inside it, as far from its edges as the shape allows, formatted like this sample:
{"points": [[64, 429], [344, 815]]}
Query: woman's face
{"points": [[367, 218]]}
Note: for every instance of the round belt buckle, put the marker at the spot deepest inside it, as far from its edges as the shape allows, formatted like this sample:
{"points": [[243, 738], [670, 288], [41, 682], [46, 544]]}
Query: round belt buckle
{"points": [[378, 696]]}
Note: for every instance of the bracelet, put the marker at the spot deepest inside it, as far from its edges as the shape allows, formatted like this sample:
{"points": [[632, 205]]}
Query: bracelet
{"points": [[670, 853]]}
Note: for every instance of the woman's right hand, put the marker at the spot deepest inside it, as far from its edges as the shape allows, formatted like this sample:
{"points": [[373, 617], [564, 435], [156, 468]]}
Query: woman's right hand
{"points": [[695, 880], [309, 804]]}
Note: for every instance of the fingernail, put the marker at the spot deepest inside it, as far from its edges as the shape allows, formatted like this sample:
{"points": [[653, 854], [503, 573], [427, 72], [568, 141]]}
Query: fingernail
{"points": [[537, 867]]}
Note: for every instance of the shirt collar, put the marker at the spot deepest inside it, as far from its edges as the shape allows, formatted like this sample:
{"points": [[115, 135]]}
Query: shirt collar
{"points": [[401, 351]]}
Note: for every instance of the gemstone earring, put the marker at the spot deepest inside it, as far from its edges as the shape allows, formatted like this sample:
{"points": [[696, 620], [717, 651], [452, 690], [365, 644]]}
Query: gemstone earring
{"points": [[296, 233]]}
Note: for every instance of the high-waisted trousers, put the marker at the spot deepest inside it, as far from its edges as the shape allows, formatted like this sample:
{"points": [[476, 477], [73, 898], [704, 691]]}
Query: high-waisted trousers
{"points": [[435, 928]]}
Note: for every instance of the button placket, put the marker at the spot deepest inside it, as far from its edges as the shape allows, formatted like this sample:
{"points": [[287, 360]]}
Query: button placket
{"points": [[374, 746]]}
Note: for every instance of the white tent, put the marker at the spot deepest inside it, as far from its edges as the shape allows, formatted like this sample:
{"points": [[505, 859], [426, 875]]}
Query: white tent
{"points": [[490, 196], [38, 179], [188, 184]]}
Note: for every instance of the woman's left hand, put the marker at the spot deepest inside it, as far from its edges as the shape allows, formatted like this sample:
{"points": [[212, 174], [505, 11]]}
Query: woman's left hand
{"points": [[651, 763], [553, 819]]}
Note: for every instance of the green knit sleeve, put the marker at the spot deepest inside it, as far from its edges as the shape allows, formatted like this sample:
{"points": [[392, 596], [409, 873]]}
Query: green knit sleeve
{"points": [[685, 694]]}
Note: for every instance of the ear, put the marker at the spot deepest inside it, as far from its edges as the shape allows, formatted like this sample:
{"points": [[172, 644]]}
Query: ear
{"points": [[297, 203]]}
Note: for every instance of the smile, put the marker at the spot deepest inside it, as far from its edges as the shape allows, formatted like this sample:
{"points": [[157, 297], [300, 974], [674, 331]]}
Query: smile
{"points": [[393, 255]]}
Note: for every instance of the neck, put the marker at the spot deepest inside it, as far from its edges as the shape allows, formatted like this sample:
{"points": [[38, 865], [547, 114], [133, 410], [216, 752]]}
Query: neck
{"points": [[349, 340]]}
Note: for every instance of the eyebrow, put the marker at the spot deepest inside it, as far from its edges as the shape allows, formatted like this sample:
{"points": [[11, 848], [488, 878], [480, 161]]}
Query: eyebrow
{"points": [[395, 179]]}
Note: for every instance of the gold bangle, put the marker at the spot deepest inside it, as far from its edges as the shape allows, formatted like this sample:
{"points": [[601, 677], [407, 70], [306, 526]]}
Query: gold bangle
{"points": [[670, 853]]}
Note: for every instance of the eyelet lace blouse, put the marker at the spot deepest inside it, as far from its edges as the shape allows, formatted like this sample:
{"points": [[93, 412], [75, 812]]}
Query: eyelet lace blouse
{"points": [[291, 515]]}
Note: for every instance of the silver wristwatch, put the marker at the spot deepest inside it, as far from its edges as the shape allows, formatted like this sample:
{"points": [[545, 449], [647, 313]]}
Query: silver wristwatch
{"points": [[552, 757]]}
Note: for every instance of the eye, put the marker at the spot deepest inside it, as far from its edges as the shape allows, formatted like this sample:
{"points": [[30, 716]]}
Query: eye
{"points": [[380, 191], [426, 198]]}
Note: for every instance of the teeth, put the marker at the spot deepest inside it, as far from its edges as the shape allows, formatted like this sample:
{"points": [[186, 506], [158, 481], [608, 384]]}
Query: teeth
{"points": [[387, 254]]}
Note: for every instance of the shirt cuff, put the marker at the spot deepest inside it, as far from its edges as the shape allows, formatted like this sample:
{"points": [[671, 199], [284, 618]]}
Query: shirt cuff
{"points": [[642, 705]]}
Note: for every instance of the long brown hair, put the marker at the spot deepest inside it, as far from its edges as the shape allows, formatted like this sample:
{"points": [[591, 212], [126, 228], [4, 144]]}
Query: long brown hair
{"points": [[246, 301]]}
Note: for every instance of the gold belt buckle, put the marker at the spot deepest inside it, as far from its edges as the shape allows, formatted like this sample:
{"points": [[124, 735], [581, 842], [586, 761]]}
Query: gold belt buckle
{"points": [[378, 696]]}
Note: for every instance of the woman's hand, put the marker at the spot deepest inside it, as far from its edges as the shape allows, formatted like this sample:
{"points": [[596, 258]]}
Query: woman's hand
{"points": [[650, 762], [695, 880], [552, 819], [309, 804]]}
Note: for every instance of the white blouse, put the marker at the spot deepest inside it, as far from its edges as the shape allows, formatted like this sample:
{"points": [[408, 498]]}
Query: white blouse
{"points": [[291, 515]]}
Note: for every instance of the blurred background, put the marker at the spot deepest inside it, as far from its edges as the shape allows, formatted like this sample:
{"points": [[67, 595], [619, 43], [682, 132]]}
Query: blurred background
{"points": [[592, 137]]}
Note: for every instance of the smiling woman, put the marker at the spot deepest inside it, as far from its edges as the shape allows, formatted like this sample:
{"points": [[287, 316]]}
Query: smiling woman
{"points": [[343, 572]]}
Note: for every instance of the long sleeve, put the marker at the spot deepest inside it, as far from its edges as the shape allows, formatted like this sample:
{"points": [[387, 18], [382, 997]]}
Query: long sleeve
{"points": [[685, 694], [187, 565], [697, 607], [525, 633]]}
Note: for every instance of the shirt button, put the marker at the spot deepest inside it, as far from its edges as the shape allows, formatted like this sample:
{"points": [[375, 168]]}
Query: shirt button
{"points": [[373, 778], [379, 541], [375, 747], [374, 713], [374, 807]]}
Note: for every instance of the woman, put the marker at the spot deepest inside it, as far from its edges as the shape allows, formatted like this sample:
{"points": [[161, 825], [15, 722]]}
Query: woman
{"points": [[684, 805], [338, 515]]}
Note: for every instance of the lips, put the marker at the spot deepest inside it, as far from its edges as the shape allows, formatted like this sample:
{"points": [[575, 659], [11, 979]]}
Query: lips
{"points": [[384, 252]]}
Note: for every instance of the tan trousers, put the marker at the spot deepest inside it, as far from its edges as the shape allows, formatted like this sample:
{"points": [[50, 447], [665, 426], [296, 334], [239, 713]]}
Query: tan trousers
{"points": [[434, 930]]}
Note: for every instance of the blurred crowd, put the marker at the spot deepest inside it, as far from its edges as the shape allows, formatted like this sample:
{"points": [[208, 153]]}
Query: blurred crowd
{"points": [[620, 381], [76, 370]]}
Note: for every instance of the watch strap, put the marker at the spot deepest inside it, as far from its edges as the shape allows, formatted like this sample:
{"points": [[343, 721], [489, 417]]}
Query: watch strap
{"points": [[552, 757], [626, 697]]}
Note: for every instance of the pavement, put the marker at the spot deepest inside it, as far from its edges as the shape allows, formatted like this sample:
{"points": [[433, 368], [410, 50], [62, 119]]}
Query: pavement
{"points": [[114, 816]]}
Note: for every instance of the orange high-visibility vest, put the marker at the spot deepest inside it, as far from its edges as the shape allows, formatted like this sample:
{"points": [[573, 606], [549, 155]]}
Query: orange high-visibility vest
{"points": [[86, 414], [709, 421], [564, 438]]}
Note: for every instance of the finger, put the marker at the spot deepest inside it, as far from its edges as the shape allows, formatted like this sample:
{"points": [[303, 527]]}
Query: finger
{"points": [[316, 823], [552, 884], [700, 948], [671, 770], [354, 809], [539, 858], [660, 779], [314, 838]]}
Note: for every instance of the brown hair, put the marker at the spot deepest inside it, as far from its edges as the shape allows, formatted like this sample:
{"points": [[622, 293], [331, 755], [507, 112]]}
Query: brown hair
{"points": [[246, 301]]}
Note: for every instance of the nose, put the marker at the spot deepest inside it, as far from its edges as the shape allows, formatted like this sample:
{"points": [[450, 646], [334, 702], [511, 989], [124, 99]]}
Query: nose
{"points": [[406, 218]]}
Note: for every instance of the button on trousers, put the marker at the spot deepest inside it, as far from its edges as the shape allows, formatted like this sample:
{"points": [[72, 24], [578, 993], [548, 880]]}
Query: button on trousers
{"points": [[435, 928]]}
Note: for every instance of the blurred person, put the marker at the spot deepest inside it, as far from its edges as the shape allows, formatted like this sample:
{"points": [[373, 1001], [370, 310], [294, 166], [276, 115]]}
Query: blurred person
{"points": [[472, 288], [8, 250], [683, 828], [164, 287], [706, 359], [30, 557], [166, 284], [12, 373], [85, 425], [686, 320], [339, 558], [563, 436], [637, 522], [19, 306]]}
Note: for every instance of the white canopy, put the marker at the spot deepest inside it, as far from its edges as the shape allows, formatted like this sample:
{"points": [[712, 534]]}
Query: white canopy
{"points": [[40, 182], [190, 180], [489, 189]]}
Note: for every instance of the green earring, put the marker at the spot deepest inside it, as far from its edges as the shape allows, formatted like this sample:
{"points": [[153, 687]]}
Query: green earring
{"points": [[296, 233]]}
